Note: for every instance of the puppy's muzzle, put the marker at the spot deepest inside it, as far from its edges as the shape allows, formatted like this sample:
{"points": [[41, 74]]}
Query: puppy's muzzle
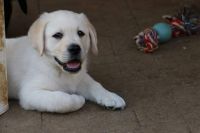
{"points": [[74, 49], [74, 64]]}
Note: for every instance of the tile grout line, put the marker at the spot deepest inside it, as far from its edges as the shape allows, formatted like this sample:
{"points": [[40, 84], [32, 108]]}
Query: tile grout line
{"points": [[137, 118], [175, 102], [117, 57], [132, 14], [41, 122], [133, 19], [115, 52]]}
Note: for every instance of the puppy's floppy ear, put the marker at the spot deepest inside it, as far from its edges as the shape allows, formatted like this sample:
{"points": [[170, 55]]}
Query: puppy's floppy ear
{"points": [[36, 33], [92, 34]]}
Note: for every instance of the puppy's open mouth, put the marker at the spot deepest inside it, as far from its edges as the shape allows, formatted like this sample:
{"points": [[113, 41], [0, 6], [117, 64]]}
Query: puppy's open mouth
{"points": [[70, 66]]}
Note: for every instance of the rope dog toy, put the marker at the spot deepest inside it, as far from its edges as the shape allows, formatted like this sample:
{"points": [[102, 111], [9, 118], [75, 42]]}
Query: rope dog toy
{"points": [[185, 23]]}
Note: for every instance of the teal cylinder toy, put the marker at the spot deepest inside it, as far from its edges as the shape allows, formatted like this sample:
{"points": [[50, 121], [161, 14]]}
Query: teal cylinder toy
{"points": [[164, 31]]}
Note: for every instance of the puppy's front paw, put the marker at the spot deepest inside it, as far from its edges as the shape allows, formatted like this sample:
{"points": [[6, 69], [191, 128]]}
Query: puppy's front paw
{"points": [[111, 101], [78, 100]]}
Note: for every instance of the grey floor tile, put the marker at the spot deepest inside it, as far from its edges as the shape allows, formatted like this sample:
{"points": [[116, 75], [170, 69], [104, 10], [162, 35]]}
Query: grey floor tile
{"points": [[17, 120], [187, 98], [85, 122]]}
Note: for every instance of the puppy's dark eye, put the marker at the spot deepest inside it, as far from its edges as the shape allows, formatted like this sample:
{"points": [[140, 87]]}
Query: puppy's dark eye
{"points": [[58, 35], [80, 33]]}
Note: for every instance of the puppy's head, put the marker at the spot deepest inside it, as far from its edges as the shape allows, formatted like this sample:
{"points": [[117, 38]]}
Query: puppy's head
{"points": [[65, 37]]}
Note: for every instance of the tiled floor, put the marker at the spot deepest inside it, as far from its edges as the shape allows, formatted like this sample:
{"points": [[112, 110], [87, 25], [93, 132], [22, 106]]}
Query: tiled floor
{"points": [[162, 90]]}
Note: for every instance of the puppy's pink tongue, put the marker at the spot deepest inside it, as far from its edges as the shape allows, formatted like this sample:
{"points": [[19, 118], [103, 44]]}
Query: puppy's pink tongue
{"points": [[73, 64]]}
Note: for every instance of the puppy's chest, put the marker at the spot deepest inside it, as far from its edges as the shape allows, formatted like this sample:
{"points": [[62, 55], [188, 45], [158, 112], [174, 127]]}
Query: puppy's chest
{"points": [[66, 83]]}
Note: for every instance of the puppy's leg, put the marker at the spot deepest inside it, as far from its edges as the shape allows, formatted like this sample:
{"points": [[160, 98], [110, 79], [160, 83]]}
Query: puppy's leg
{"points": [[95, 92], [50, 101]]}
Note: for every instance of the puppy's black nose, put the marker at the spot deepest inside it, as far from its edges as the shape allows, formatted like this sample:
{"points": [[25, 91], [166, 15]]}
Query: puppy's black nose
{"points": [[74, 49]]}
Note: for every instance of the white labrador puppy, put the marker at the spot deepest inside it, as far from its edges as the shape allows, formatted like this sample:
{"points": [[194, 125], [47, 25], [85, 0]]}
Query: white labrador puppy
{"points": [[47, 69]]}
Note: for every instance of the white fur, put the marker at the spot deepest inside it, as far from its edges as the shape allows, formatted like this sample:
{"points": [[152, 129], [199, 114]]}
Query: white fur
{"points": [[39, 82]]}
